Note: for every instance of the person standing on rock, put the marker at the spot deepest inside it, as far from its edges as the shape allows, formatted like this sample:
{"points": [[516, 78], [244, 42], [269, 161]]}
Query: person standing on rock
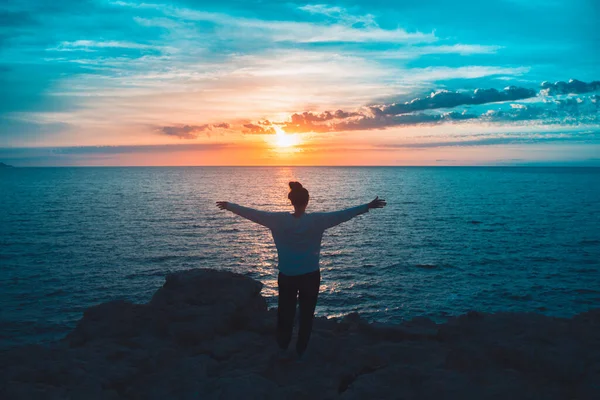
{"points": [[297, 237]]}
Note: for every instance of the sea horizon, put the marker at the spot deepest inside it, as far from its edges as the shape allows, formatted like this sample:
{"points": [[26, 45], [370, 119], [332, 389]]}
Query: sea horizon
{"points": [[569, 165]]}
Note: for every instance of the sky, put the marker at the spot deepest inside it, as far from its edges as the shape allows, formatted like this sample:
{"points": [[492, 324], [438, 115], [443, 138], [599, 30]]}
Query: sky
{"points": [[355, 82]]}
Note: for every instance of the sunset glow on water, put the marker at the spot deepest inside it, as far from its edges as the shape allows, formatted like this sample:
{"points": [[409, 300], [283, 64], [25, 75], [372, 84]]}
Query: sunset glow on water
{"points": [[450, 240]]}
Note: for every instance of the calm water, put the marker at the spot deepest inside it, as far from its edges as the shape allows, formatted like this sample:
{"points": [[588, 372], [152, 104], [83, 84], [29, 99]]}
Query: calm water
{"points": [[450, 240]]}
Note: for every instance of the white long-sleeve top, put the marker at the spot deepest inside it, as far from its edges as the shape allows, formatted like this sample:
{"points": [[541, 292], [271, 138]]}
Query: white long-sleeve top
{"points": [[298, 239]]}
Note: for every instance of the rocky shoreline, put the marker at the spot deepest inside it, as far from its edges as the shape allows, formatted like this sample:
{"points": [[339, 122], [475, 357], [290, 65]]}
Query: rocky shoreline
{"points": [[207, 334]]}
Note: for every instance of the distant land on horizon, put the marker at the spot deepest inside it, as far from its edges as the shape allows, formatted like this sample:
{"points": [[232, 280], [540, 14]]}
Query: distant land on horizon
{"points": [[2, 165]]}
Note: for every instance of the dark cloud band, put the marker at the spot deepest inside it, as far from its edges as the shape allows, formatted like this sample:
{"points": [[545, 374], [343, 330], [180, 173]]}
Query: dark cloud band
{"points": [[433, 109], [191, 131], [447, 99], [572, 87], [428, 109]]}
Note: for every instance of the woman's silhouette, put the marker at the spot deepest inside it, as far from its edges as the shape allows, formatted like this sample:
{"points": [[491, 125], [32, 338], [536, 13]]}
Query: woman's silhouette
{"points": [[297, 237]]}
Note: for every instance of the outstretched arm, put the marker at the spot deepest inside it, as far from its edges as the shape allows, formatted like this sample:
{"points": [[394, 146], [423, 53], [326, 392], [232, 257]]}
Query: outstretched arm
{"points": [[264, 218], [331, 219]]}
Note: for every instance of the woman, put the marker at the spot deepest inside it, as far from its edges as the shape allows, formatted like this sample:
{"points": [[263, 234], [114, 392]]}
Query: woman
{"points": [[297, 237]]}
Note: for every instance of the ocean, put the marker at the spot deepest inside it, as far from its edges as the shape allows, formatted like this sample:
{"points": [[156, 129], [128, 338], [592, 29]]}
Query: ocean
{"points": [[451, 239]]}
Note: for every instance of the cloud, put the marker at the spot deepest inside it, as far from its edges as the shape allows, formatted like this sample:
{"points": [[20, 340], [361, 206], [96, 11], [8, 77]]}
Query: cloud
{"points": [[484, 141], [568, 111], [371, 122], [458, 116], [90, 45], [344, 28], [385, 121], [144, 62], [322, 9], [448, 99], [522, 113], [257, 129], [442, 73], [380, 117], [574, 86], [428, 110], [78, 155], [410, 52], [309, 117], [11, 128], [191, 131], [501, 139], [312, 122], [462, 49], [129, 149], [184, 132]]}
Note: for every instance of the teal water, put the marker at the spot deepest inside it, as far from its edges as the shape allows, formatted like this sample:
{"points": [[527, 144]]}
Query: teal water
{"points": [[450, 240]]}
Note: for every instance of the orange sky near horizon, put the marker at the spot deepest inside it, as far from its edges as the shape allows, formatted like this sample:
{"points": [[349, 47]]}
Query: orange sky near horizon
{"points": [[280, 83], [259, 153], [450, 144]]}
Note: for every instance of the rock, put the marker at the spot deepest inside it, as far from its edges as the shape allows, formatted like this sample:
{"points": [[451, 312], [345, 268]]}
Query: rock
{"points": [[264, 324], [198, 287], [475, 315], [240, 385], [402, 332], [224, 347], [87, 388], [190, 307], [116, 319], [208, 334], [352, 322]]}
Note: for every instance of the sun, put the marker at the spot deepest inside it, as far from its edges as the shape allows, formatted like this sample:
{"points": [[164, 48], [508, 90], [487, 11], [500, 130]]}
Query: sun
{"points": [[284, 140]]}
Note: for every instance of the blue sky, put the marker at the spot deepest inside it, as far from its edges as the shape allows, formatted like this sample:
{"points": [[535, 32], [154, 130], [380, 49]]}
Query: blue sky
{"points": [[398, 83]]}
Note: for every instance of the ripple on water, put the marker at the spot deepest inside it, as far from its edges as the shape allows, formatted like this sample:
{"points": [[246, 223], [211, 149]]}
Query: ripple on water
{"points": [[451, 239]]}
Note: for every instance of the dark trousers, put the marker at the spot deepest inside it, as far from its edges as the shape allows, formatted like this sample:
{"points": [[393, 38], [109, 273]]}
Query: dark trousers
{"points": [[305, 288]]}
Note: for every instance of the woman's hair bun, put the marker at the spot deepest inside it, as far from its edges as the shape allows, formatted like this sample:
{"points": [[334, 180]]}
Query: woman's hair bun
{"points": [[298, 195], [295, 185]]}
